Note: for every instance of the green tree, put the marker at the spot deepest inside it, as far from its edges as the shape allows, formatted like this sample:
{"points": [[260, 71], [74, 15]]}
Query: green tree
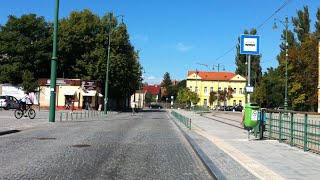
{"points": [[226, 94], [303, 69], [185, 95], [303, 22], [274, 86], [125, 69], [212, 97], [317, 24], [167, 84], [25, 46], [80, 52], [175, 88], [29, 83], [166, 81]]}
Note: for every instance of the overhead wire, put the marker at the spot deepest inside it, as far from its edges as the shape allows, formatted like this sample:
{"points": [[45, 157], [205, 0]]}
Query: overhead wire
{"points": [[281, 7]]}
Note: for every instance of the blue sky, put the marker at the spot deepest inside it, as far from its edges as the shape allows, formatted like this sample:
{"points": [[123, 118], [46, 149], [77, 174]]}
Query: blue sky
{"points": [[178, 35]]}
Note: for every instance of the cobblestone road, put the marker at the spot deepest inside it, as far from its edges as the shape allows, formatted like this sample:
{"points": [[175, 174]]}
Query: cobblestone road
{"points": [[145, 146]]}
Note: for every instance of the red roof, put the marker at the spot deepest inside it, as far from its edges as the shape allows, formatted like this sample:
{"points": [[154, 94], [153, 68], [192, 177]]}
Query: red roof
{"points": [[213, 76], [154, 89]]}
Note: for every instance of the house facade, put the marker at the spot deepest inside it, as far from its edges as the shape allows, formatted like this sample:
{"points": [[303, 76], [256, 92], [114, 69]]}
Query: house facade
{"points": [[83, 93], [204, 82], [154, 91]]}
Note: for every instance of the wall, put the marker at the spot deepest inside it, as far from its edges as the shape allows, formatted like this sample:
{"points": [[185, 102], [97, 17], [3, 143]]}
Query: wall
{"points": [[222, 84]]}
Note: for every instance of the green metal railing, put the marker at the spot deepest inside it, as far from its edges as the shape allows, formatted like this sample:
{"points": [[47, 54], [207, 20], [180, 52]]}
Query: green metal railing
{"points": [[79, 115], [300, 129], [200, 109], [186, 121]]}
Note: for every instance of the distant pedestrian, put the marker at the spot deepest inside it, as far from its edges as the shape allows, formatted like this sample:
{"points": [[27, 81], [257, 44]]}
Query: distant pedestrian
{"points": [[243, 117], [133, 105]]}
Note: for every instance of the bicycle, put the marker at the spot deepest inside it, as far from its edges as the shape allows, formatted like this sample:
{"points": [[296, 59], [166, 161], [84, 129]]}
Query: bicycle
{"points": [[29, 111]]}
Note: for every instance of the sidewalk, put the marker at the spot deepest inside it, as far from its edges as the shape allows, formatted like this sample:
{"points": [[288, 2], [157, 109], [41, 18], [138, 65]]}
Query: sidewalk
{"points": [[9, 124], [263, 159]]}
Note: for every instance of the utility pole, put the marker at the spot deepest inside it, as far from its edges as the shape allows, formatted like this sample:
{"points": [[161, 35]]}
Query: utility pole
{"points": [[107, 71], [286, 25], [319, 74], [108, 63], [249, 77], [218, 77], [52, 112]]}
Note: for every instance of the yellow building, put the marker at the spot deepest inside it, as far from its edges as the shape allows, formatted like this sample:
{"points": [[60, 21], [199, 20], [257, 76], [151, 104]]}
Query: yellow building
{"points": [[205, 82]]}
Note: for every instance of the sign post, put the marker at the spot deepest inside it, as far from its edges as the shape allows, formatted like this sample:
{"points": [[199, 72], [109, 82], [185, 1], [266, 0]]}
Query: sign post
{"points": [[249, 45]]}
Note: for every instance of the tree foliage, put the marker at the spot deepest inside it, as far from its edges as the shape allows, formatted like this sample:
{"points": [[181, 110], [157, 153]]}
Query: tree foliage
{"points": [[317, 24], [212, 97], [302, 68], [303, 22], [185, 95], [226, 94], [269, 91], [26, 47]]}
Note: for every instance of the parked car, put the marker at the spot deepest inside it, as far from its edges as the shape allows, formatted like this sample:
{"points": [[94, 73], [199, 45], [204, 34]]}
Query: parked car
{"points": [[8, 102], [238, 108], [229, 108], [155, 106], [279, 108]]}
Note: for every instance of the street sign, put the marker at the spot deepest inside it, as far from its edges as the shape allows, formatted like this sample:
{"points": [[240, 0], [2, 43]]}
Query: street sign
{"points": [[249, 89], [249, 44]]}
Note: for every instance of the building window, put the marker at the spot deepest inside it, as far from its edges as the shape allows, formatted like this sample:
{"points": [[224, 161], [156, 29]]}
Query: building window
{"points": [[205, 90], [234, 102], [234, 90], [240, 103], [196, 89], [190, 88], [240, 91], [219, 89], [211, 89], [205, 102]]}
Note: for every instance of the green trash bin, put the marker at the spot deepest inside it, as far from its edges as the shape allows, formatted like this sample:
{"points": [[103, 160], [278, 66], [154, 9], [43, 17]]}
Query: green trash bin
{"points": [[251, 115]]}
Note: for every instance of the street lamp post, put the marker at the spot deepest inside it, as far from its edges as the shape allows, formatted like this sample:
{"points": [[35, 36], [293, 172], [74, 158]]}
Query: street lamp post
{"points": [[108, 64], [286, 25], [54, 58], [218, 66]]}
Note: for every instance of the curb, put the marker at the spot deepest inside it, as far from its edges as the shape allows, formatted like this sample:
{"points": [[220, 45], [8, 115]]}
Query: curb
{"points": [[210, 166]]}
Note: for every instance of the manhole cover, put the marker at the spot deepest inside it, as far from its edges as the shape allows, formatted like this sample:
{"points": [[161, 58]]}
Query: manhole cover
{"points": [[45, 138], [81, 145]]}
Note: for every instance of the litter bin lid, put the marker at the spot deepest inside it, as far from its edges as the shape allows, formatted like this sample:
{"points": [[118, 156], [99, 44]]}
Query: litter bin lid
{"points": [[252, 105]]}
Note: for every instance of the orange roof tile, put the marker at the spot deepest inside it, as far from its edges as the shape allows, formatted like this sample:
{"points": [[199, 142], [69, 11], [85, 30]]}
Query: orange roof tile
{"points": [[154, 89], [214, 76]]}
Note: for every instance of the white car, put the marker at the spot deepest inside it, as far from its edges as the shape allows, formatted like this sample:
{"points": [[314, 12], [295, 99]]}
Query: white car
{"points": [[8, 102]]}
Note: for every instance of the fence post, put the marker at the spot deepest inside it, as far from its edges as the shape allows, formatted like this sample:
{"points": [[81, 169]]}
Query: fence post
{"points": [[280, 128], [61, 117], [190, 124], [270, 124], [305, 137], [291, 130]]}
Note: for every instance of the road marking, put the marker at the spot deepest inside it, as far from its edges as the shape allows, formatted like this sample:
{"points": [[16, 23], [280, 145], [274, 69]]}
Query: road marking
{"points": [[250, 164]]}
